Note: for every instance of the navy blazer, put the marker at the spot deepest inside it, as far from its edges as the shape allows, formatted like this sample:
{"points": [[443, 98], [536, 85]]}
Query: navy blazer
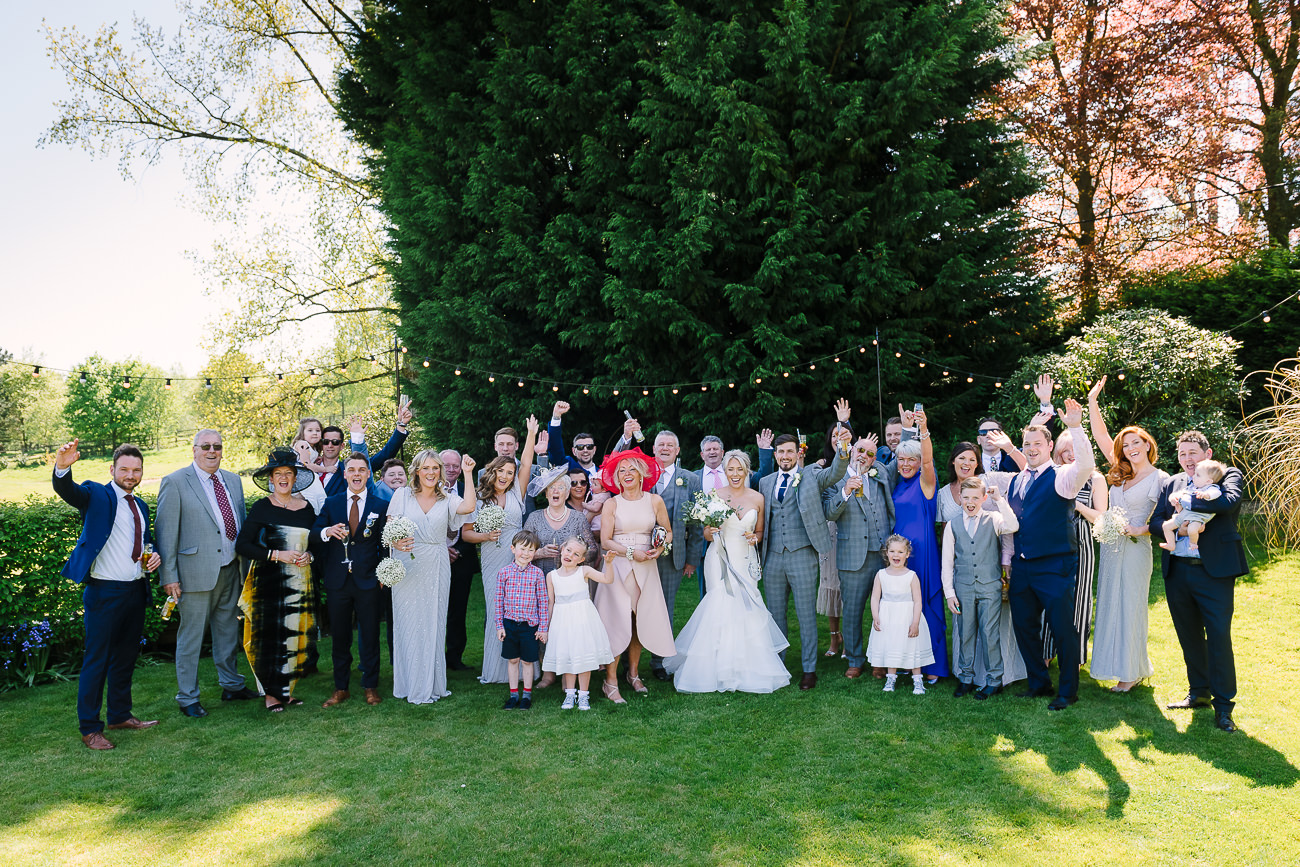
{"points": [[337, 484], [365, 549], [1222, 554], [97, 504]]}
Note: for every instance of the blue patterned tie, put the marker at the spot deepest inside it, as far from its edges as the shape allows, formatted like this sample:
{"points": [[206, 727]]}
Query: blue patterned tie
{"points": [[780, 493]]}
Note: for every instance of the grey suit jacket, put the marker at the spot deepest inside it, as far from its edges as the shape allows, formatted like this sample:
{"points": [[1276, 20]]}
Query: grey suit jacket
{"points": [[813, 483], [687, 541], [857, 539], [189, 535]]}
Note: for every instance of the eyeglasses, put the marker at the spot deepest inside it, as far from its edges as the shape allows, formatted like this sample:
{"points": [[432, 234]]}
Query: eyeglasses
{"points": [[582, 483], [216, 447], [332, 442], [585, 446], [989, 430]]}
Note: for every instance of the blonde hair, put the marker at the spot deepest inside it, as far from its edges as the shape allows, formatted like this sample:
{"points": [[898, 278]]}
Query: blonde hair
{"points": [[737, 455], [416, 484], [642, 468], [895, 538], [973, 483]]}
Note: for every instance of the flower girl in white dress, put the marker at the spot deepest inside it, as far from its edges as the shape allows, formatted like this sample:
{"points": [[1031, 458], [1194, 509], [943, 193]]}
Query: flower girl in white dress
{"points": [[577, 643], [899, 635]]}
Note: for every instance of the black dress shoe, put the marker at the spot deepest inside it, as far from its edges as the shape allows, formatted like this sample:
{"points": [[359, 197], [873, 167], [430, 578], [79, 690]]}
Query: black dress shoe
{"points": [[1223, 721], [983, 693], [1192, 701], [1061, 702], [1041, 692], [193, 710], [661, 674], [241, 694], [457, 666], [962, 689]]}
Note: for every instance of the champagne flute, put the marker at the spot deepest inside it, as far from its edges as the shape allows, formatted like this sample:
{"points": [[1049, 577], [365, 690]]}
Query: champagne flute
{"points": [[347, 558]]}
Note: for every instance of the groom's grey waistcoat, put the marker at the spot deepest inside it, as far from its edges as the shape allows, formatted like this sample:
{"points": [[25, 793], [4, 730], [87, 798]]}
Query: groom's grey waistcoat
{"points": [[787, 532]]}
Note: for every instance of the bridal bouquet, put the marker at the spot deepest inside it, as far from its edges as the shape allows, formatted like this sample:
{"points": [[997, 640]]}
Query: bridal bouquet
{"points": [[490, 518], [707, 509], [397, 528], [389, 571], [1111, 526]]}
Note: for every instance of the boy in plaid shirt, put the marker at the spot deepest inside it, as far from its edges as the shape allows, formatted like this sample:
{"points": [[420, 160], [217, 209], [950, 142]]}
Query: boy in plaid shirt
{"points": [[522, 615]]}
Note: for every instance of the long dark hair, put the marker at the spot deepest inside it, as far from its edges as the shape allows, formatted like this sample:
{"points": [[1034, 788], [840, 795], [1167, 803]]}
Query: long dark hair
{"points": [[957, 450]]}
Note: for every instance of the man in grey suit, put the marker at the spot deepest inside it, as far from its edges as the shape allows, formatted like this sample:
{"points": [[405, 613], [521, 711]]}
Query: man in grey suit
{"points": [[863, 511], [200, 511], [794, 537], [677, 486]]}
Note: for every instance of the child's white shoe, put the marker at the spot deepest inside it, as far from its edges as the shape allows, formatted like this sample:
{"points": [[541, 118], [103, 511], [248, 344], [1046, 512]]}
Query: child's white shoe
{"points": [[583, 702], [570, 696], [890, 680], [918, 684]]}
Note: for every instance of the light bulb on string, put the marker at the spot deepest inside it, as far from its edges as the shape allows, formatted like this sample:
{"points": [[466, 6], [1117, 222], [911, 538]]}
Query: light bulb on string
{"points": [[922, 363], [521, 383], [674, 391], [458, 371], [167, 384], [862, 349], [36, 371], [757, 380], [1267, 318], [812, 367], [945, 373], [344, 368], [704, 388], [207, 383], [245, 382], [997, 385], [970, 379], [491, 378], [1120, 377], [555, 387], [279, 377], [126, 382], [898, 355], [426, 362], [786, 374], [586, 391], [645, 392], [403, 350], [875, 342], [82, 378], [731, 385], [371, 358], [616, 392], [1027, 386], [837, 359]]}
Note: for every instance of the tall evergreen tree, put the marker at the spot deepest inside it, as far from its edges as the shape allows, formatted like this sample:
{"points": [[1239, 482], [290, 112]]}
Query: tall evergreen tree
{"points": [[651, 193]]}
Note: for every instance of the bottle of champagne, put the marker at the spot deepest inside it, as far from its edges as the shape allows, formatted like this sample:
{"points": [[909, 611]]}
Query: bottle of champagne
{"points": [[640, 437]]}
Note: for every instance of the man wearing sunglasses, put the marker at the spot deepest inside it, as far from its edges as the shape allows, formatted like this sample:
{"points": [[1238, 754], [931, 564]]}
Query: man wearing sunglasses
{"points": [[200, 511], [584, 445], [992, 458]]}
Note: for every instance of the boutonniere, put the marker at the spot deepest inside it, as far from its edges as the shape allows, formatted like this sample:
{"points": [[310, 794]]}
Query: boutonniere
{"points": [[794, 480], [873, 473], [680, 481], [370, 523]]}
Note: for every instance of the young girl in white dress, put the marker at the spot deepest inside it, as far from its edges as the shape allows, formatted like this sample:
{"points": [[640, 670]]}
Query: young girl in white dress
{"points": [[900, 637], [577, 643]]}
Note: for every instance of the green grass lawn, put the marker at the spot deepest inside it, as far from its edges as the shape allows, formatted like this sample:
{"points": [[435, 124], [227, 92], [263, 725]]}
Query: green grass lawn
{"points": [[844, 774], [17, 484]]}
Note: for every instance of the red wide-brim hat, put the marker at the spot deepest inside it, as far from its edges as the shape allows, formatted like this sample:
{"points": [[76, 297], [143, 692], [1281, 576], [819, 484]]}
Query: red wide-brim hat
{"points": [[611, 463]]}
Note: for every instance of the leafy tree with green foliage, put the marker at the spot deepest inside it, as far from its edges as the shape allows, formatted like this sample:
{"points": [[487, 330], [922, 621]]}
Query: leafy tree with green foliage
{"points": [[653, 193], [120, 401], [18, 390], [1164, 374], [1227, 297]]}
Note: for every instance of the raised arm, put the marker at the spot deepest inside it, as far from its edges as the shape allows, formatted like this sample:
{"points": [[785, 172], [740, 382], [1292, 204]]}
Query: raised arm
{"points": [[470, 501], [1098, 424], [1002, 441], [526, 459], [555, 430], [1070, 480], [929, 478], [71, 493]]}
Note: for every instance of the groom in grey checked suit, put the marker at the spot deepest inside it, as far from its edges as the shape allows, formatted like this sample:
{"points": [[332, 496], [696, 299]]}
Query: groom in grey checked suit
{"points": [[677, 486], [200, 511], [794, 537], [863, 511]]}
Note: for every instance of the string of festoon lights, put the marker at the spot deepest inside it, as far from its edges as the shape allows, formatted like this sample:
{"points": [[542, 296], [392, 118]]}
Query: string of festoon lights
{"points": [[875, 344]]}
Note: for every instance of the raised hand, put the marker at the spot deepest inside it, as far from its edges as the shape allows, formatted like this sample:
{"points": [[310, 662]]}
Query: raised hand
{"points": [[404, 414], [921, 421], [1072, 415], [1041, 418], [1043, 388], [1095, 391], [543, 440], [994, 494], [467, 465], [354, 424], [764, 438], [843, 436], [1001, 440], [905, 415], [67, 455], [560, 408], [630, 429], [842, 410], [532, 424]]}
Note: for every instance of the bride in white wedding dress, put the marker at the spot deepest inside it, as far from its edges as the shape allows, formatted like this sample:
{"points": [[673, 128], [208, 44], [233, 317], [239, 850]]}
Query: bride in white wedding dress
{"points": [[731, 642]]}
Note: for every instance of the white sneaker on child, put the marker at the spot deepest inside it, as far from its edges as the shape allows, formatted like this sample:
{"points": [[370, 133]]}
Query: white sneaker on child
{"points": [[890, 680], [918, 684], [583, 703], [570, 696]]}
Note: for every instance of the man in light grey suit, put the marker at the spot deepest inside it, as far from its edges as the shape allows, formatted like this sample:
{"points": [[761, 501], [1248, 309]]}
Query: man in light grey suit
{"points": [[200, 511], [863, 511], [794, 537], [677, 486]]}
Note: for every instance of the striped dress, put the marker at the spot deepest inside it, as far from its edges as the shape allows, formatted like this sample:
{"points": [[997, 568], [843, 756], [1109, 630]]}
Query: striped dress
{"points": [[1083, 587]]}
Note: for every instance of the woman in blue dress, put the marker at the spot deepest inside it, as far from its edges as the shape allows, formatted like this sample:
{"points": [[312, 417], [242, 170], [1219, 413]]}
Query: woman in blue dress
{"points": [[915, 513]]}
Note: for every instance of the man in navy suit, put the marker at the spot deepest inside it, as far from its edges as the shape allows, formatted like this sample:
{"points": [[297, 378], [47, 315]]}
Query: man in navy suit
{"points": [[357, 516], [110, 562], [1199, 584]]}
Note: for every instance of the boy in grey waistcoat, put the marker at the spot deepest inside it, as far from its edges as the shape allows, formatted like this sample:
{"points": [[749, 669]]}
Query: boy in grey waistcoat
{"points": [[972, 583]]}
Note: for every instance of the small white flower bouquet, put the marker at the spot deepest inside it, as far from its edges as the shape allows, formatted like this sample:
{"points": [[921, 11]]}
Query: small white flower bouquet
{"points": [[389, 571], [489, 519], [707, 509], [1111, 526], [397, 528]]}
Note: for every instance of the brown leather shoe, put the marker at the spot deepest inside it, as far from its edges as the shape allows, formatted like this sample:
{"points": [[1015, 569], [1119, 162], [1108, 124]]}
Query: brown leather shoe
{"points": [[97, 741], [854, 672], [878, 673], [808, 681], [339, 696], [373, 696], [134, 723], [548, 678]]}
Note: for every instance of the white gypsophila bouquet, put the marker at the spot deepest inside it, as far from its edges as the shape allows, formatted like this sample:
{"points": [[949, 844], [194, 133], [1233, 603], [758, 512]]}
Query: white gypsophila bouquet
{"points": [[1111, 526], [707, 509], [397, 528], [489, 519], [389, 571]]}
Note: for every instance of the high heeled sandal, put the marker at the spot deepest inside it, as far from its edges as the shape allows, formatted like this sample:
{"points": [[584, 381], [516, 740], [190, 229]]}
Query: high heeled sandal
{"points": [[637, 686], [831, 651], [611, 692]]}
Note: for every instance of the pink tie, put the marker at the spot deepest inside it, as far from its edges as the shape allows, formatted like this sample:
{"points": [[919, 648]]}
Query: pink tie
{"points": [[223, 505]]}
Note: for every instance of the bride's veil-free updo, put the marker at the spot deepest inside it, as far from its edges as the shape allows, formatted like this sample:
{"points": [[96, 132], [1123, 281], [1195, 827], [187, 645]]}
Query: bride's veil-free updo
{"points": [[739, 455]]}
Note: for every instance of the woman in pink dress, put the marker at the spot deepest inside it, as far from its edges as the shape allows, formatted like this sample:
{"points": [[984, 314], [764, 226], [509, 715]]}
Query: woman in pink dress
{"points": [[632, 606]]}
